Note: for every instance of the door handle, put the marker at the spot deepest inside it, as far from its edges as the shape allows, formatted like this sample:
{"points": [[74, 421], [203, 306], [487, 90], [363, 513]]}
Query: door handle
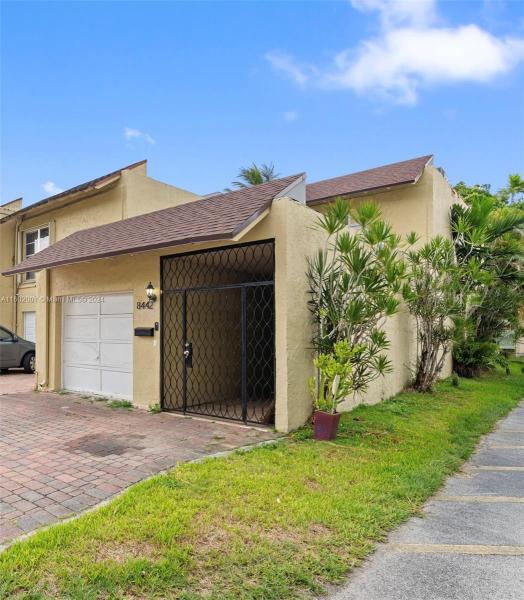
{"points": [[188, 354]]}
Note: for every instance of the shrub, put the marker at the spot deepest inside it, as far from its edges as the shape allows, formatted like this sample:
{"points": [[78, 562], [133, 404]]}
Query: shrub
{"points": [[471, 358]]}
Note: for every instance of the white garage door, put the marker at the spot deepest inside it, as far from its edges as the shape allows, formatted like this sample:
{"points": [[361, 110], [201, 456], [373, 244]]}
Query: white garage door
{"points": [[30, 326], [97, 346]]}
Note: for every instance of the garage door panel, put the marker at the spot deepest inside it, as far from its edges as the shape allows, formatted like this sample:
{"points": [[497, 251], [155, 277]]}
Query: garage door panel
{"points": [[116, 383], [97, 346], [80, 308], [116, 328], [116, 355], [81, 379], [81, 352], [80, 328], [117, 305]]}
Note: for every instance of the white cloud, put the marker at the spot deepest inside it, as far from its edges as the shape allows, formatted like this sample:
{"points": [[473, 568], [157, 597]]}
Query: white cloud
{"points": [[287, 65], [399, 12], [290, 115], [136, 134], [51, 188], [405, 59], [413, 51]]}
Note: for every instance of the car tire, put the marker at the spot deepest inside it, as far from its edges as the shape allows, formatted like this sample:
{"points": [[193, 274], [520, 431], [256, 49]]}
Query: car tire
{"points": [[29, 363]]}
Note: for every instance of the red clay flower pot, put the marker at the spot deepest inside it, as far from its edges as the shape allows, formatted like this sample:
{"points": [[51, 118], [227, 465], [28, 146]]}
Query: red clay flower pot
{"points": [[325, 425]]}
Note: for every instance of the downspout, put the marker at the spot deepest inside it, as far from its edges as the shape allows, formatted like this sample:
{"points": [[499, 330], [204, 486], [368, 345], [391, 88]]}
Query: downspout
{"points": [[52, 235], [47, 319], [45, 382], [48, 303], [16, 277]]}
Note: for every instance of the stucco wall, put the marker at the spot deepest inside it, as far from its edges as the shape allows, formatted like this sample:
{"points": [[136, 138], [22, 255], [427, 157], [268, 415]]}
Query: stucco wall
{"points": [[7, 249], [297, 241], [7, 257], [145, 194], [407, 208], [134, 193], [402, 353]]}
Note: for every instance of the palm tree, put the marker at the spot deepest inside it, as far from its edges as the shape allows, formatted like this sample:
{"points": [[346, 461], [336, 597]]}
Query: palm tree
{"points": [[515, 187], [490, 239], [255, 175], [513, 193]]}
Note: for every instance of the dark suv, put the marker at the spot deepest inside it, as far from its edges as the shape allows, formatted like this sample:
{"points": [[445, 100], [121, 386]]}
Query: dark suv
{"points": [[16, 352]]}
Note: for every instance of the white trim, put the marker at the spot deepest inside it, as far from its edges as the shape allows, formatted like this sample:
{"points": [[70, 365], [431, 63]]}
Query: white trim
{"points": [[23, 234], [287, 191]]}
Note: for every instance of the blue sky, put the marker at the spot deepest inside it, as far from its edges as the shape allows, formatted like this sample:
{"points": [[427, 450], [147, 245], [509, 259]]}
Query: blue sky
{"points": [[202, 88]]}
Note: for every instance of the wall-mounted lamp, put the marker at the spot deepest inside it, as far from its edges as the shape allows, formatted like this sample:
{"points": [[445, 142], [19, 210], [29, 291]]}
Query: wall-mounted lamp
{"points": [[150, 291]]}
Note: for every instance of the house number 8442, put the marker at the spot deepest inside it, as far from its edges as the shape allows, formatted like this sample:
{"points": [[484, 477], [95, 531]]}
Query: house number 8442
{"points": [[145, 305]]}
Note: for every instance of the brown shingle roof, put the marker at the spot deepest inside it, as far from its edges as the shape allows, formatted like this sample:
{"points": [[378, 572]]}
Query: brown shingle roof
{"points": [[221, 217], [92, 184], [407, 171]]}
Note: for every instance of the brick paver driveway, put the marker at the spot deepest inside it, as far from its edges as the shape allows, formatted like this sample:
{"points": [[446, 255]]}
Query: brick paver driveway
{"points": [[12, 382], [60, 454]]}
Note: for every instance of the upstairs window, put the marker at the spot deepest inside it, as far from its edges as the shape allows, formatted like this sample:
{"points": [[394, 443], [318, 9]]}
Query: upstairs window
{"points": [[34, 241]]}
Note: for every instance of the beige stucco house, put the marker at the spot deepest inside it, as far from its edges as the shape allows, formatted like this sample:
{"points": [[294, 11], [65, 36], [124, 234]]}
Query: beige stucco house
{"points": [[200, 304], [25, 231]]}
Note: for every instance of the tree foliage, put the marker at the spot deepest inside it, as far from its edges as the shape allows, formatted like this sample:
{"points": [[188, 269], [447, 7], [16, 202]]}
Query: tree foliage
{"points": [[434, 296], [255, 175], [512, 194], [492, 236], [354, 284], [488, 232]]}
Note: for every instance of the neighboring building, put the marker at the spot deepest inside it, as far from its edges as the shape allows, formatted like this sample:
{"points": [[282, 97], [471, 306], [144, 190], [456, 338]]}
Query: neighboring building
{"points": [[510, 346], [230, 334], [26, 231]]}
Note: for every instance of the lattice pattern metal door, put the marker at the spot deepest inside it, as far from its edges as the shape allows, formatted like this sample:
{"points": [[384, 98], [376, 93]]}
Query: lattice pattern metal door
{"points": [[218, 333]]}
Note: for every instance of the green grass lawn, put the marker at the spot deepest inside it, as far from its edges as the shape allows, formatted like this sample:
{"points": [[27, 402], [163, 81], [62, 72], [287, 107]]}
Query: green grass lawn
{"points": [[277, 522]]}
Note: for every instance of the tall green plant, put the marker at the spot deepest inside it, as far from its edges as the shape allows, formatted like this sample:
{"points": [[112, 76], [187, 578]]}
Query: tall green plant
{"points": [[434, 295], [489, 235], [354, 283]]}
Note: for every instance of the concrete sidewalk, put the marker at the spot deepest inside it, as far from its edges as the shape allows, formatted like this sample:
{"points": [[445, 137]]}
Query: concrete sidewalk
{"points": [[470, 545]]}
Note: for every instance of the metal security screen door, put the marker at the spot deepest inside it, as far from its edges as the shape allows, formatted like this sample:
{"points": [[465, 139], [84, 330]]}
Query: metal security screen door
{"points": [[218, 333]]}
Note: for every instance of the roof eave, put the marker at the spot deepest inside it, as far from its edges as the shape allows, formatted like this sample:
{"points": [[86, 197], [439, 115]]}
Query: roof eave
{"points": [[137, 250], [103, 183], [359, 193], [365, 191], [223, 237], [73, 196]]}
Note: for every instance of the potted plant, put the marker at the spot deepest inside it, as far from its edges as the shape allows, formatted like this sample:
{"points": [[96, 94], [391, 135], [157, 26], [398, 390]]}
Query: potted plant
{"points": [[333, 382]]}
